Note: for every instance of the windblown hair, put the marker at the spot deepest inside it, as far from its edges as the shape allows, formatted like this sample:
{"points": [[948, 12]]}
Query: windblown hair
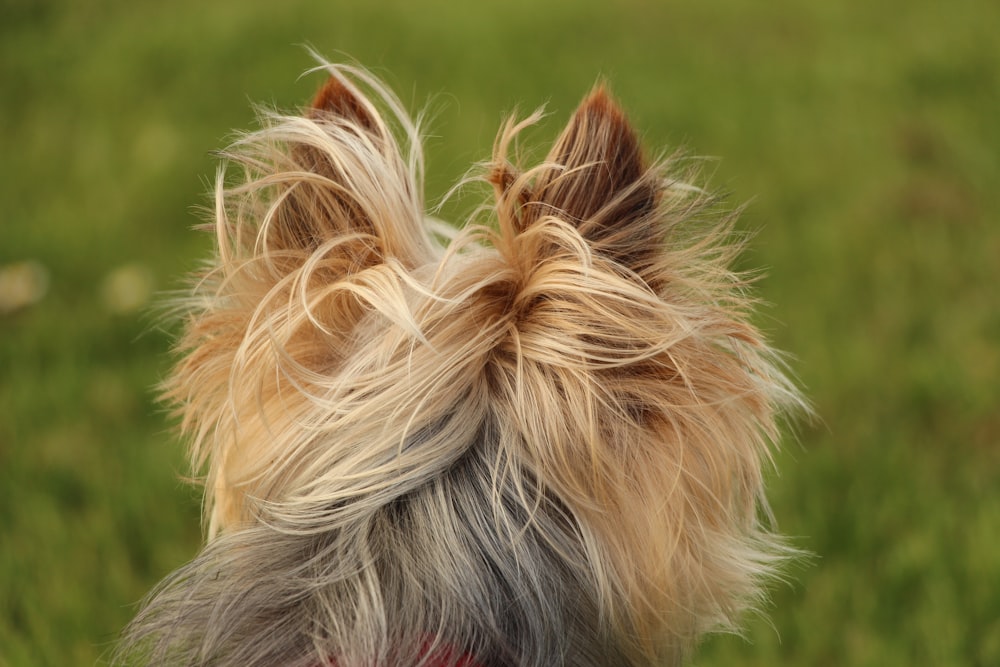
{"points": [[537, 440]]}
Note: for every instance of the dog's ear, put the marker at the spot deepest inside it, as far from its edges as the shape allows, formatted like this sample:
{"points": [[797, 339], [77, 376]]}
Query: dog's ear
{"points": [[597, 178], [344, 178]]}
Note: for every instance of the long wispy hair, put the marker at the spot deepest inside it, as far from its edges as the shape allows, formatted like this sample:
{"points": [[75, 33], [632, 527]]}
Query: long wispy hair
{"points": [[536, 440]]}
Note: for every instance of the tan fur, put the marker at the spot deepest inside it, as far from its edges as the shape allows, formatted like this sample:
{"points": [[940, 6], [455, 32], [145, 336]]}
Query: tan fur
{"points": [[539, 438]]}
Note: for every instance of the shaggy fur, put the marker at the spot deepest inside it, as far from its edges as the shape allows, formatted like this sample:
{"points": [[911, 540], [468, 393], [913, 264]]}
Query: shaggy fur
{"points": [[534, 441]]}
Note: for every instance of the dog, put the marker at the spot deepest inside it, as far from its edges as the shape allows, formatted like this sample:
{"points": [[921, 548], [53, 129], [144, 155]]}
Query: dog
{"points": [[536, 439]]}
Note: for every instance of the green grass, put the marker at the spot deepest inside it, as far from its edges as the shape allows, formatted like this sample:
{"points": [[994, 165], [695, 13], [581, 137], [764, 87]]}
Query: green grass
{"points": [[864, 133]]}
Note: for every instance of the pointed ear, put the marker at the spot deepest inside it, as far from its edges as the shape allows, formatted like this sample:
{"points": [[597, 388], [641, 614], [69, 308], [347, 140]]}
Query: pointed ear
{"points": [[597, 177], [335, 99], [343, 176], [328, 189]]}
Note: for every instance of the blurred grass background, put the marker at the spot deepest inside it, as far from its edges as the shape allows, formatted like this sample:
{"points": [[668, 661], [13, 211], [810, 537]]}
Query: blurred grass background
{"points": [[865, 134]]}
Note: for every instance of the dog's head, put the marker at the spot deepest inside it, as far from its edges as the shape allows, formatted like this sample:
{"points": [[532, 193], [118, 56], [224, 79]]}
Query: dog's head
{"points": [[539, 437]]}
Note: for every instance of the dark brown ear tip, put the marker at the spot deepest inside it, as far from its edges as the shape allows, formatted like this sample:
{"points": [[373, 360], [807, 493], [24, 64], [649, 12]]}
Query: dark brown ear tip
{"points": [[600, 113], [603, 119], [330, 95], [337, 99], [600, 102]]}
